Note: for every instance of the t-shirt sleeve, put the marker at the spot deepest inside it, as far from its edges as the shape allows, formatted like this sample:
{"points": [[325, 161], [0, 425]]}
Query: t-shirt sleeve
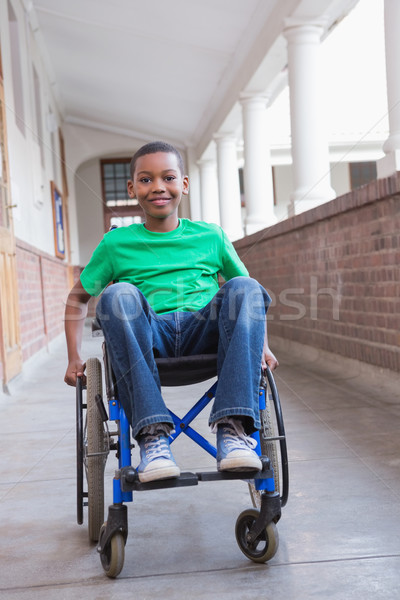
{"points": [[98, 273], [232, 266]]}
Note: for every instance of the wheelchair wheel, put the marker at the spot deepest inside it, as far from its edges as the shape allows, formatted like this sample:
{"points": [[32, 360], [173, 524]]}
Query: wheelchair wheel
{"points": [[113, 556], [271, 427], [80, 494], [265, 546], [95, 450]]}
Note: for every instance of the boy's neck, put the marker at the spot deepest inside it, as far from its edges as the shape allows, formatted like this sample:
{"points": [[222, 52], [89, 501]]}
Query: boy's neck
{"points": [[162, 225]]}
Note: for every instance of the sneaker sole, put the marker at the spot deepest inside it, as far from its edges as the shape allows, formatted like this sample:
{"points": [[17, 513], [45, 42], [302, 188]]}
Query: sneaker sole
{"points": [[239, 464], [163, 473]]}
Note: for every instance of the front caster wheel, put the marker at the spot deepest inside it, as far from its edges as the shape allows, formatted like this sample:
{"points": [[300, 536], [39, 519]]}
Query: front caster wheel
{"points": [[113, 556], [265, 546]]}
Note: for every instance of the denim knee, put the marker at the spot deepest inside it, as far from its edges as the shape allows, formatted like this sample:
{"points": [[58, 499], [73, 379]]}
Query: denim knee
{"points": [[120, 301], [243, 284], [246, 287], [246, 292]]}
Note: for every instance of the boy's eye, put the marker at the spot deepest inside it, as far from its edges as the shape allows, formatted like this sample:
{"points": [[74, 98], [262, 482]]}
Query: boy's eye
{"points": [[170, 178], [144, 180]]}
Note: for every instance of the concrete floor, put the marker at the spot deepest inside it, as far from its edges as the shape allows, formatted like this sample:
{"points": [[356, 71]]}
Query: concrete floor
{"points": [[339, 533]]}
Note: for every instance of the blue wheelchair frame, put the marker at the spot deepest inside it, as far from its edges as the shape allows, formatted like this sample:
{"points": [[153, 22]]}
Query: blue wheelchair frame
{"points": [[117, 413], [126, 479]]}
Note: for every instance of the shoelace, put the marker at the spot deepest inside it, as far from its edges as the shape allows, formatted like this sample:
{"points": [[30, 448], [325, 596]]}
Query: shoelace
{"points": [[155, 444], [234, 435], [156, 447]]}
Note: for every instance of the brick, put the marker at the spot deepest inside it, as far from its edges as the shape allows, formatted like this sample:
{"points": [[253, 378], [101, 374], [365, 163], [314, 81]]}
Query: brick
{"points": [[42, 286], [351, 245]]}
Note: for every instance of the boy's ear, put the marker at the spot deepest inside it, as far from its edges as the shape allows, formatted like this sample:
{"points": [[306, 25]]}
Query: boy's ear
{"points": [[131, 189], [185, 186]]}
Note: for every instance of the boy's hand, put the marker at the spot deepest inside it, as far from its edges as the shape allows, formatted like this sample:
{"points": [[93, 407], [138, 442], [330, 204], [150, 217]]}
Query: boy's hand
{"points": [[75, 369], [268, 358]]}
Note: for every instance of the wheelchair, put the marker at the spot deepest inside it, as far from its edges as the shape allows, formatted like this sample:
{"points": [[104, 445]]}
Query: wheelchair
{"points": [[256, 531]]}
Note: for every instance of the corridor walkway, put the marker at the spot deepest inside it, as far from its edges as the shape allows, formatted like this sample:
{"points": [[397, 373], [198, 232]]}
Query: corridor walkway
{"points": [[339, 533]]}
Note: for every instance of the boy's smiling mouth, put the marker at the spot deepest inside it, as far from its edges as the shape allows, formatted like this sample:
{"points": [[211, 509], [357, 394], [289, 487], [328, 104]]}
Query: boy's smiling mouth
{"points": [[160, 201]]}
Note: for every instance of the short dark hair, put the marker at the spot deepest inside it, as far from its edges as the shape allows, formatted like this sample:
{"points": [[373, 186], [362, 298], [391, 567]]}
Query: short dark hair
{"points": [[152, 148]]}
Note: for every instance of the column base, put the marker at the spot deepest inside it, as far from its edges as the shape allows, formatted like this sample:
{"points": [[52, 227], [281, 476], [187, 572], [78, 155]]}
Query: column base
{"points": [[234, 235], [301, 201], [256, 224], [388, 165]]}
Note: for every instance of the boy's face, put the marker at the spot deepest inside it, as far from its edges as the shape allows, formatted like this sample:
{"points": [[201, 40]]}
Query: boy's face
{"points": [[158, 185]]}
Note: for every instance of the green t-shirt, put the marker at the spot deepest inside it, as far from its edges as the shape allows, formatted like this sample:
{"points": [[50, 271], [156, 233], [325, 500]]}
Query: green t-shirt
{"points": [[175, 271]]}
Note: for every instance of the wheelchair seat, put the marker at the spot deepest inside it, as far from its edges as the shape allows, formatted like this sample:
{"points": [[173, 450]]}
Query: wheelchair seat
{"points": [[182, 370], [186, 370]]}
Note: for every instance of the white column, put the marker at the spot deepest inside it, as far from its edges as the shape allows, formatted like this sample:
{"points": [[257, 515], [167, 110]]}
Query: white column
{"points": [[209, 191], [310, 151], [194, 185], [391, 162], [257, 171], [228, 186]]}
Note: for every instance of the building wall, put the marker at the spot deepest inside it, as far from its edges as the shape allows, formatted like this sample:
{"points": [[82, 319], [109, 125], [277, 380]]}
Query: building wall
{"points": [[32, 127], [42, 289], [333, 274], [90, 215]]}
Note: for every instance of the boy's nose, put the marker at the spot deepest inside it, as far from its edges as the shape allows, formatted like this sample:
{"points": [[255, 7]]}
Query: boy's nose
{"points": [[158, 185]]}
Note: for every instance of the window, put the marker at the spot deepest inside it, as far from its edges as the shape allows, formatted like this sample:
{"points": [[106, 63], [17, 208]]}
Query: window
{"points": [[119, 209], [362, 173], [125, 221], [16, 70], [115, 174]]}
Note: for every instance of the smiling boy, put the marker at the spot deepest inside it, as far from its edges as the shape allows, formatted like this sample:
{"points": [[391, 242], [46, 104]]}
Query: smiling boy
{"points": [[166, 301]]}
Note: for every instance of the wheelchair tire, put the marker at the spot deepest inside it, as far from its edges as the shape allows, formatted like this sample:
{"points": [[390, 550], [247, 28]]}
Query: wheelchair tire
{"points": [[80, 495], [96, 450], [268, 448], [266, 544], [113, 556]]}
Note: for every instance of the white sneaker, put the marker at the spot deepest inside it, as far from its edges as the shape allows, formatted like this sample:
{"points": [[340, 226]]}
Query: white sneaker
{"points": [[235, 449], [156, 457]]}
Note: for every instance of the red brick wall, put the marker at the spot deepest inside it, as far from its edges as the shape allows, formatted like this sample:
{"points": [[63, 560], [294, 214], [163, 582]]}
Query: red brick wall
{"points": [[42, 290], [334, 274]]}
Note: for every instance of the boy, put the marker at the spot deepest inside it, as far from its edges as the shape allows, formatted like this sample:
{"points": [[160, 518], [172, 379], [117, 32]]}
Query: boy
{"points": [[165, 301]]}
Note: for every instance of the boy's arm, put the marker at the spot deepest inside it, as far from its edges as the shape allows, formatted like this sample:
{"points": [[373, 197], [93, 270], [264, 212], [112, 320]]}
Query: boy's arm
{"points": [[268, 358], [75, 314]]}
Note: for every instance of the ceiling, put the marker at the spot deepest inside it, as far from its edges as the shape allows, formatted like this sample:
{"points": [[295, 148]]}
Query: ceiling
{"points": [[163, 69]]}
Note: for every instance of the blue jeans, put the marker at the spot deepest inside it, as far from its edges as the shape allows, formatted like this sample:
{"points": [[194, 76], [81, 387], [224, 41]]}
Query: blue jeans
{"points": [[232, 326]]}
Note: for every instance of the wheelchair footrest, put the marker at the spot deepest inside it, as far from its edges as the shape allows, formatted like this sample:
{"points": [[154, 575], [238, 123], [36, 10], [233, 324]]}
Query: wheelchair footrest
{"points": [[130, 480], [229, 475]]}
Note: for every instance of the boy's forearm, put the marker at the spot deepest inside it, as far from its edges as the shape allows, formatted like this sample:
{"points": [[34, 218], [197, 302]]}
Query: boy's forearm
{"points": [[268, 357], [266, 344], [75, 315], [74, 332]]}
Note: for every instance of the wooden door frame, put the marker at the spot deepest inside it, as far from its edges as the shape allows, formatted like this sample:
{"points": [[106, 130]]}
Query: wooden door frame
{"points": [[10, 338]]}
